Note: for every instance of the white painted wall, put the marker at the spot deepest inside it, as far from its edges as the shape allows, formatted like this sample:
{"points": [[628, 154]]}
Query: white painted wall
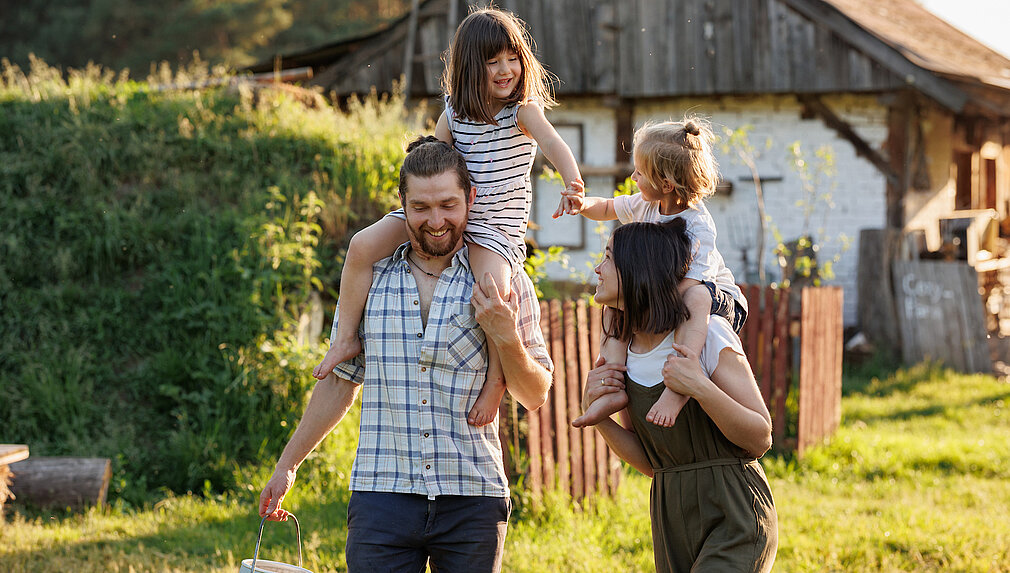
{"points": [[858, 194]]}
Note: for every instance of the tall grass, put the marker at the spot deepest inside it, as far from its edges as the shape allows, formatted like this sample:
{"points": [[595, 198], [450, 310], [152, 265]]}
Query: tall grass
{"points": [[158, 248]]}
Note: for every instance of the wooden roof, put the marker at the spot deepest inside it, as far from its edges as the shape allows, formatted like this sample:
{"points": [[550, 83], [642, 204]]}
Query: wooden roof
{"points": [[927, 40], [664, 48]]}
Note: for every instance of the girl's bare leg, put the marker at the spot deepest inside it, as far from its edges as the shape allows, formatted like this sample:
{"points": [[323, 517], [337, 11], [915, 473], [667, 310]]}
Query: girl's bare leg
{"points": [[614, 351], [368, 246], [691, 334], [483, 261]]}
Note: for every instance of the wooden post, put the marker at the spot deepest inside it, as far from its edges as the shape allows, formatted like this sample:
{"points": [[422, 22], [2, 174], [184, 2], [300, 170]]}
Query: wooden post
{"points": [[602, 471], [820, 365], [504, 429], [535, 474], [780, 383], [560, 401], [545, 411], [767, 346], [751, 328], [574, 393], [878, 316], [408, 50], [452, 20], [625, 131], [585, 365]]}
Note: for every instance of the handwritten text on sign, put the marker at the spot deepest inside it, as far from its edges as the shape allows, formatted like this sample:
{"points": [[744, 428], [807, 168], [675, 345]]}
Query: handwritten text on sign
{"points": [[923, 298]]}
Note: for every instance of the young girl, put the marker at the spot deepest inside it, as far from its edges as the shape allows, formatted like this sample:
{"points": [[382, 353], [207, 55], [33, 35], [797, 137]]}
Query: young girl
{"points": [[675, 170], [496, 92]]}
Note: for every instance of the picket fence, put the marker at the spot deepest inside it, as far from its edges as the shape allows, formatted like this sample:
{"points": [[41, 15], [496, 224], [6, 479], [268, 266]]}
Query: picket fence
{"points": [[794, 349]]}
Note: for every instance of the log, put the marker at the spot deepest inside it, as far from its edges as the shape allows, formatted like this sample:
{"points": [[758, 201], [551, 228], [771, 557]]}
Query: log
{"points": [[61, 481]]}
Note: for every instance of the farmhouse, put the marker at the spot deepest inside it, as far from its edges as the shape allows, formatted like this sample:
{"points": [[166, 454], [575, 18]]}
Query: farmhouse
{"points": [[915, 113]]}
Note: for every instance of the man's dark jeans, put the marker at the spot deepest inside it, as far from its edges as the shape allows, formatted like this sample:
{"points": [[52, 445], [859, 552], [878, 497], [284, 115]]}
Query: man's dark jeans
{"points": [[403, 532]]}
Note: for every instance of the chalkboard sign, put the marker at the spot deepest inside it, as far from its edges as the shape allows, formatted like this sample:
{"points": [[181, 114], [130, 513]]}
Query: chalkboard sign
{"points": [[940, 314]]}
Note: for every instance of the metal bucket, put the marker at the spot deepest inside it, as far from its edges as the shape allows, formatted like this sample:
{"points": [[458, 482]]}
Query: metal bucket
{"points": [[257, 565]]}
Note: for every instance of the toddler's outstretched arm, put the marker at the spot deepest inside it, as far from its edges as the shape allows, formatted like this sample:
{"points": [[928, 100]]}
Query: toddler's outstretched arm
{"points": [[533, 122], [599, 209], [368, 246]]}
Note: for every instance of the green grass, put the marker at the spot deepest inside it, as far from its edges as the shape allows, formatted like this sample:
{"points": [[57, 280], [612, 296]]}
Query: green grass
{"points": [[914, 480]]}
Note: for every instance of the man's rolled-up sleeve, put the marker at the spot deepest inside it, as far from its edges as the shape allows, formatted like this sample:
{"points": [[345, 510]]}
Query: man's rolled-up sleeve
{"points": [[352, 370], [528, 320]]}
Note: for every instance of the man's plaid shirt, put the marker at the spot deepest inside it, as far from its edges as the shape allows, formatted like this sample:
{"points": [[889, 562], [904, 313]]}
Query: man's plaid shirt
{"points": [[418, 384]]}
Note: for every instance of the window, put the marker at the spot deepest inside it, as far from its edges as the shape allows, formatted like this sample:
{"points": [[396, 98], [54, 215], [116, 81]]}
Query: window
{"points": [[963, 178], [989, 184]]}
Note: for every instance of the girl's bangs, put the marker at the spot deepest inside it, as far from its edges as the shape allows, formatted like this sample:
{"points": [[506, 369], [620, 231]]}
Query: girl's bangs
{"points": [[494, 41]]}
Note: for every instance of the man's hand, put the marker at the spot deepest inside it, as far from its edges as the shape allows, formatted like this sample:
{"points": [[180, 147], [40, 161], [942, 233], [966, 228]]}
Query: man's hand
{"points": [[273, 494], [496, 316]]}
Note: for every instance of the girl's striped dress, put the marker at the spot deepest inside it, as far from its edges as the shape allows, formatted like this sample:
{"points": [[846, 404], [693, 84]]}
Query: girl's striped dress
{"points": [[499, 158]]}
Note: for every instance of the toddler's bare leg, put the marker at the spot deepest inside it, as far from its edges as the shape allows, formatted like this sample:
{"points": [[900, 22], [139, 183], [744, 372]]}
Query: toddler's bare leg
{"points": [[614, 351], [691, 334], [368, 246], [483, 261], [664, 412], [602, 408]]}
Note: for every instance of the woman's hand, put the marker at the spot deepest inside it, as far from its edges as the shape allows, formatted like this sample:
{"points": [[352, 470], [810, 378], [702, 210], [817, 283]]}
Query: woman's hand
{"points": [[682, 371], [605, 378]]}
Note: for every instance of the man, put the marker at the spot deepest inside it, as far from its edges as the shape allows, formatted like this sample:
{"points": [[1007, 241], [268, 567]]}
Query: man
{"points": [[426, 485]]}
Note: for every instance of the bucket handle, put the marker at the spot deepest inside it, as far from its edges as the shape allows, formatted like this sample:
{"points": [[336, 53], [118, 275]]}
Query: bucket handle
{"points": [[259, 537]]}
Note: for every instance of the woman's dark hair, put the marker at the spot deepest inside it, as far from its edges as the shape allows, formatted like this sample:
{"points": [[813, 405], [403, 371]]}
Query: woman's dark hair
{"points": [[651, 260], [428, 156]]}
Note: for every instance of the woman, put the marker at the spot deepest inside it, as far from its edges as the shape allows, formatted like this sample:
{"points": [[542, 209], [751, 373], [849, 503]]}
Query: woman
{"points": [[711, 507]]}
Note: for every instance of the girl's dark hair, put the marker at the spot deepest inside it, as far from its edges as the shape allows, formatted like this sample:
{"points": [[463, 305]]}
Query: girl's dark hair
{"points": [[428, 156], [651, 260], [481, 36]]}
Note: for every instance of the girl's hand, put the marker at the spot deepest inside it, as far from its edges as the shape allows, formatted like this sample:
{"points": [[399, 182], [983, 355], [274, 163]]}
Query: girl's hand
{"points": [[682, 371], [573, 199]]}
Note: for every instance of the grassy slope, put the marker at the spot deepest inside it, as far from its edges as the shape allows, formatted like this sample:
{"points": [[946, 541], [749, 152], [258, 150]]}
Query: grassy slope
{"points": [[914, 480], [157, 250]]}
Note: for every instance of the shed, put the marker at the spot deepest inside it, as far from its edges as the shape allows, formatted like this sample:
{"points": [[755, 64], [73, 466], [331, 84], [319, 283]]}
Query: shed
{"points": [[916, 113]]}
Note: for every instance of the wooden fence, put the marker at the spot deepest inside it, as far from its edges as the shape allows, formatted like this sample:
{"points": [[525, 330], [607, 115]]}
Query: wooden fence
{"points": [[543, 446]]}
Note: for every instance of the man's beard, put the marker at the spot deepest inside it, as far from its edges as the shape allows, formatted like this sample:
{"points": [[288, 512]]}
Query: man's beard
{"points": [[436, 248]]}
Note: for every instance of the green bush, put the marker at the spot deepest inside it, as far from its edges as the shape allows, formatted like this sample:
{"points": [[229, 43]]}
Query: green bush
{"points": [[158, 248]]}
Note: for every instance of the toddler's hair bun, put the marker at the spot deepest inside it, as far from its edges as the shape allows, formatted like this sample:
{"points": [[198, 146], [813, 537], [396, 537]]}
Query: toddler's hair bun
{"points": [[692, 128]]}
